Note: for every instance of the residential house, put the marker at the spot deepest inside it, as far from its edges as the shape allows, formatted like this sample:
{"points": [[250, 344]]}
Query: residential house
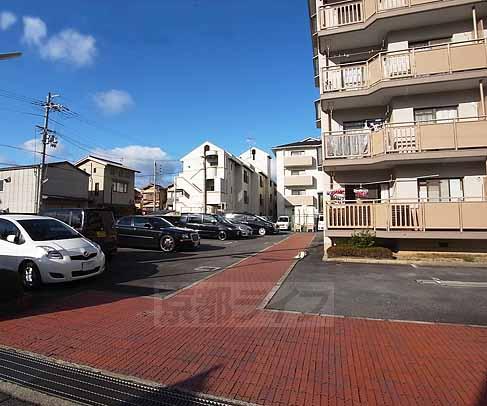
{"points": [[65, 186], [111, 184], [402, 113], [300, 181], [151, 193]]}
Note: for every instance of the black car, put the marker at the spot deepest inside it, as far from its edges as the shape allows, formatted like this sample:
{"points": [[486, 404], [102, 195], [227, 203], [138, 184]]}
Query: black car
{"points": [[210, 226], [259, 226], [97, 225], [154, 232]]}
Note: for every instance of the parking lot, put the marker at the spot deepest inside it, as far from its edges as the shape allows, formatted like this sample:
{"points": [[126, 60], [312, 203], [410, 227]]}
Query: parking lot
{"points": [[139, 272], [391, 292]]}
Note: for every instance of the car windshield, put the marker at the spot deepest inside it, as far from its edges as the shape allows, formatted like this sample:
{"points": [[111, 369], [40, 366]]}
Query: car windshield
{"points": [[222, 219], [48, 229]]}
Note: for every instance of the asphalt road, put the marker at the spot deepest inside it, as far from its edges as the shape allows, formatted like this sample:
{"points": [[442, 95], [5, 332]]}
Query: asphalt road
{"points": [[137, 272], [382, 291]]}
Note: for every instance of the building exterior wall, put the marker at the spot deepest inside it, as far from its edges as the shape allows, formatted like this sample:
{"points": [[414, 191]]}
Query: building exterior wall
{"points": [[65, 186], [236, 182]]}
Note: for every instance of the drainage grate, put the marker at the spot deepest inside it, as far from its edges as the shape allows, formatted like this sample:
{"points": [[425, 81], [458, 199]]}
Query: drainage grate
{"points": [[90, 388]]}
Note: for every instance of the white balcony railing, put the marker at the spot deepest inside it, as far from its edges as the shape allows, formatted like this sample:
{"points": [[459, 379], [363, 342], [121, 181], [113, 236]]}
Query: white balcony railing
{"points": [[409, 63], [404, 138], [351, 12]]}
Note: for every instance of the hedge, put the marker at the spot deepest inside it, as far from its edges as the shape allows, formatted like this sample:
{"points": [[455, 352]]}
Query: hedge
{"points": [[349, 251]]}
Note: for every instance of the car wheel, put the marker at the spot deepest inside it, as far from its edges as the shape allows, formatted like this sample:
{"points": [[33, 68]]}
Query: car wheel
{"points": [[222, 235], [261, 231], [31, 278], [167, 243]]}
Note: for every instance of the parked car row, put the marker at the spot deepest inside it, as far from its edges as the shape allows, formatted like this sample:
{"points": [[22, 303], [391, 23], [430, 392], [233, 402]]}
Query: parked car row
{"points": [[69, 244]]}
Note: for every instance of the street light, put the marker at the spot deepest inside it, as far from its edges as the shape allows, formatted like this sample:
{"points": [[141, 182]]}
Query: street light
{"points": [[10, 55]]}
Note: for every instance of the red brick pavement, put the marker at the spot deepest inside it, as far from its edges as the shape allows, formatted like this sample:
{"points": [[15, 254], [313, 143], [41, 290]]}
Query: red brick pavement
{"points": [[212, 338]]}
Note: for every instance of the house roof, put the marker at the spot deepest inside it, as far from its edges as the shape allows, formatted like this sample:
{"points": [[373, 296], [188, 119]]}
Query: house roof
{"points": [[307, 142], [50, 164], [105, 162], [151, 185]]}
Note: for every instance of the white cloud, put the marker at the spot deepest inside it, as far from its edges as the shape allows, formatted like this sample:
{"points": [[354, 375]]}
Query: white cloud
{"points": [[68, 46], [113, 101], [71, 47], [7, 19], [142, 158], [34, 147], [35, 30]]}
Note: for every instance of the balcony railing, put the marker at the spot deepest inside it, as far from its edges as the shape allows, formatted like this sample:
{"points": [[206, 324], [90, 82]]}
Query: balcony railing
{"points": [[409, 63], [444, 134], [299, 180], [349, 12], [299, 161], [418, 215]]}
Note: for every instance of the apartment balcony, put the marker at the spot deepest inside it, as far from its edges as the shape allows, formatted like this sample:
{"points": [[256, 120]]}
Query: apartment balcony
{"points": [[448, 140], [299, 181], [409, 219], [452, 66], [301, 200], [362, 23], [302, 161]]}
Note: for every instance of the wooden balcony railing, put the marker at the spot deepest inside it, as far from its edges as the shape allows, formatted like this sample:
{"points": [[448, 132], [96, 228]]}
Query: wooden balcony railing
{"points": [[348, 12], [410, 63], [418, 215], [444, 134]]}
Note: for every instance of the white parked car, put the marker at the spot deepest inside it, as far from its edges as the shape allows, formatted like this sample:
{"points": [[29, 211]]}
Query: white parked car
{"points": [[46, 250], [283, 223]]}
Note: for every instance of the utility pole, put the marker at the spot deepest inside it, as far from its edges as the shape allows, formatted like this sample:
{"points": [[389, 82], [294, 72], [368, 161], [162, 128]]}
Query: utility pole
{"points": [[48, 138], [154, 185], [205, 194]]}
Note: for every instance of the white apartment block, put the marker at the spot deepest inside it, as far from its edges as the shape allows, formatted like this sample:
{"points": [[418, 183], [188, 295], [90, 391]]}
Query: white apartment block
{"points": [[402, 112], [242, 184], [300, 181]]}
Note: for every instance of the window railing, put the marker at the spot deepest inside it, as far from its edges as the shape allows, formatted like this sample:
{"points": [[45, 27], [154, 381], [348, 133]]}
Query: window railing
{"points": [[419, 215], [403, 138], [409, 63]]}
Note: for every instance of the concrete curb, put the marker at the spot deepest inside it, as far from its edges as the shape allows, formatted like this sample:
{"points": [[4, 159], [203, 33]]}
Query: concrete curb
{"points": [[404, 262]]}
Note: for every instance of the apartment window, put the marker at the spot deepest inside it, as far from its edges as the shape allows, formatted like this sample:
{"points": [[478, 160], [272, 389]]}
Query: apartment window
{"points": [[436, 114], [298, 192], [427, 44], [97, 189], [246, 177], [246, 197], [120, 187], [210, 185], [261, 199], [441, 189], [94, 170], [297, 172], [213, 160], [297, 153], [1, 185], [261, 181]]}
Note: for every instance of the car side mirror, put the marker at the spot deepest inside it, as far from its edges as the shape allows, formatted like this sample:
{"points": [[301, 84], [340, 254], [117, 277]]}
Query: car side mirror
{"points": [[14, 239]]}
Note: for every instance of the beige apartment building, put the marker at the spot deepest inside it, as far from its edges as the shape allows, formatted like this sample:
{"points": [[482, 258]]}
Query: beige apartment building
{"points": [[402, 112]]}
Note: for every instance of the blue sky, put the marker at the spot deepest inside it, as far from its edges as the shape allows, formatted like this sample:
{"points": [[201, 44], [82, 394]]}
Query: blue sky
{"points": [[164, 74]]}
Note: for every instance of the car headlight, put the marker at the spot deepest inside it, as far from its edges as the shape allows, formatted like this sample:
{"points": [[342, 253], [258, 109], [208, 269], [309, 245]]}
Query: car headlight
{"points": [[185, 236], [52, 253]]}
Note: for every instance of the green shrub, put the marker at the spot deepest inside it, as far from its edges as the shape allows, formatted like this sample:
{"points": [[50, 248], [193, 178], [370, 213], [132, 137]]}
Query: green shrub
{"points": [[362, 239], [370, 252]]}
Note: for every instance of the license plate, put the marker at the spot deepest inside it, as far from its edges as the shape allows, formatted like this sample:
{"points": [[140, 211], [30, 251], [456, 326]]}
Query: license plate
{"points": [[101, 234], [88, 266]]}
